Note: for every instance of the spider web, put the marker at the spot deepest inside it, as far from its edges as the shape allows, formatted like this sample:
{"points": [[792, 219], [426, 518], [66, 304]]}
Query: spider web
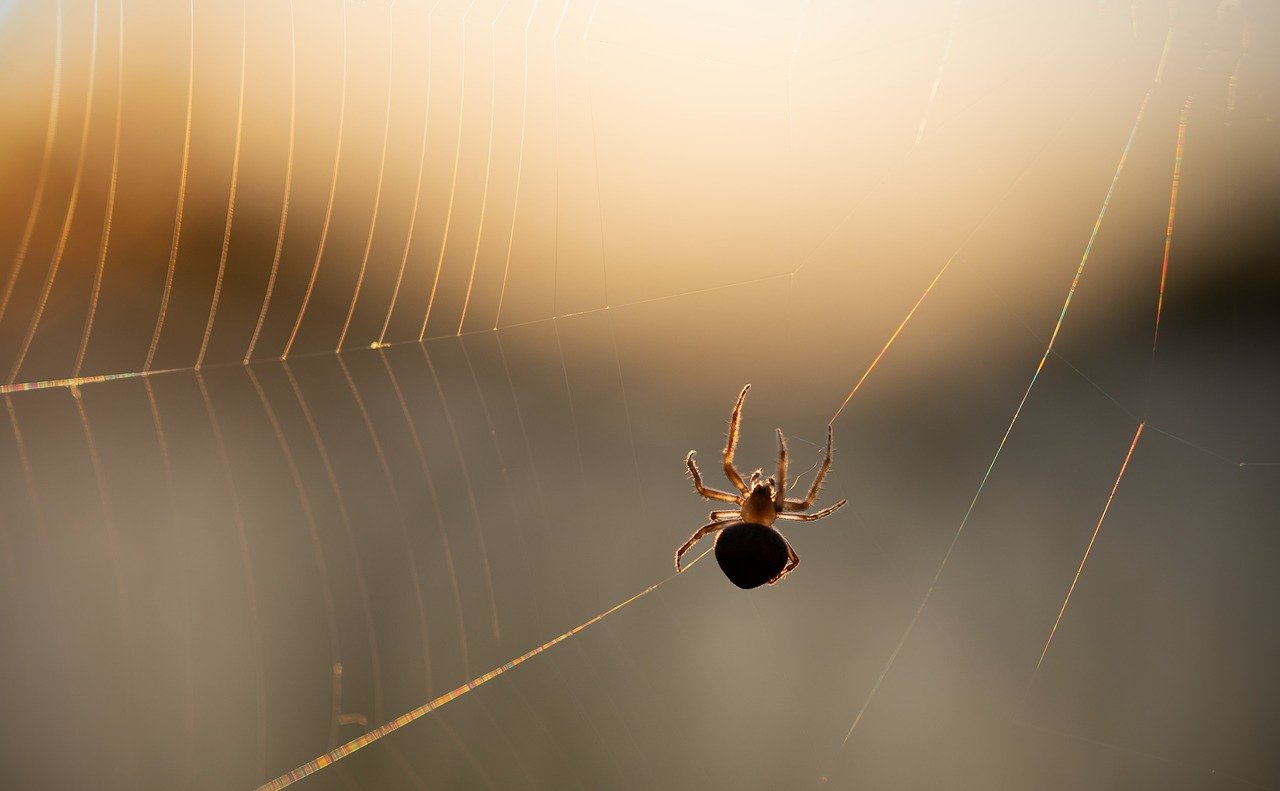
{"points": [[570, 232]]}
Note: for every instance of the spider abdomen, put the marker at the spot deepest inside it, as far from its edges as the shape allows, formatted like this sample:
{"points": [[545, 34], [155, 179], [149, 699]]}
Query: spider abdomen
{"points": [[751, 555]]}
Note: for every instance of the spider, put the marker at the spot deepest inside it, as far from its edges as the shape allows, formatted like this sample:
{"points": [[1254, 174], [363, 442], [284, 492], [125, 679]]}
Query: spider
{"points": [[749, 550]]}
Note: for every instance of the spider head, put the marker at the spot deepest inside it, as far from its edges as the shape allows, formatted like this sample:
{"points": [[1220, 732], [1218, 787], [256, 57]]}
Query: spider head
{"points": [[763, 486]]}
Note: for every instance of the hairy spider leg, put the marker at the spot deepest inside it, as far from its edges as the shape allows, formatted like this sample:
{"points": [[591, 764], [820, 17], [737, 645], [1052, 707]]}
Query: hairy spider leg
{"points": [[721, 516], [710, 494], [734, 421], [807, 502], [828, 511], [793, 560], [780, 494], [710, 527]]}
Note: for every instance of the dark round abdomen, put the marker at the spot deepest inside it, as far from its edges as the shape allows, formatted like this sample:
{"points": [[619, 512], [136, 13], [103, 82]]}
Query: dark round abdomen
{"points": [[750, 555]]}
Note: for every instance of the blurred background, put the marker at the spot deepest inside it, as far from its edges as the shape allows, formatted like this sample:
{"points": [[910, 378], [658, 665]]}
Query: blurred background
{"points": [[351, 350]]}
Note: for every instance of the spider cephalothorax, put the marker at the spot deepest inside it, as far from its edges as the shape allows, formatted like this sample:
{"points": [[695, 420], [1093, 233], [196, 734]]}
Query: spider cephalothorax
{"points": [[748, 549]]}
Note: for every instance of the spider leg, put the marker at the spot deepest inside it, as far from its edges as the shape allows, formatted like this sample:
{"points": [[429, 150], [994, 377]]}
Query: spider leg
{"points": [[780, 494], [793, 560], [710, 494], [734, 421], [710, 527], [828, 511], [807, 503], [723, 516]]}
